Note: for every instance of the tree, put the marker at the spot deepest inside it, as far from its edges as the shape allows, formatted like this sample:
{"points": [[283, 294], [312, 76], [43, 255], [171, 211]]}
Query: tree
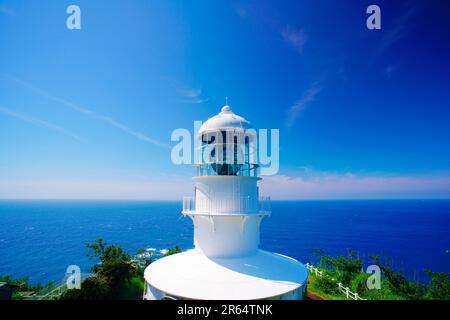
{"points": [[346, 268], [95, 287], [111, 276], [399, 284], [174, 250], [115, 264], [22, 284], [439, 286]]}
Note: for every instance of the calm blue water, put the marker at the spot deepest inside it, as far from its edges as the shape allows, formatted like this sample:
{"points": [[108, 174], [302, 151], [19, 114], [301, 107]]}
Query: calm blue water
{"points": [[41, 238]]}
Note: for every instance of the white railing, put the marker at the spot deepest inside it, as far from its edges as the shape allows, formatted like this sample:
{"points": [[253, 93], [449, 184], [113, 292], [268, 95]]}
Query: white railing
{"points": [[348, 293], [346, 290], [264, 205], [316, 271], [54, 292], [227, 205], [188, 205]]}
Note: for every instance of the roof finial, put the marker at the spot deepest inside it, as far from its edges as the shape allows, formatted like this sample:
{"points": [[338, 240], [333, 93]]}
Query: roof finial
{"points": [[226, 107]]}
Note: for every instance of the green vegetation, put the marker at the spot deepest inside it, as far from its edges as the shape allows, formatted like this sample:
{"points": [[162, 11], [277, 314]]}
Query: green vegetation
{"points": [[133, 290], [118, 276], [115, 276], [348, 270], [174, 250], [24, 288], [324, 287], [439, 286]]}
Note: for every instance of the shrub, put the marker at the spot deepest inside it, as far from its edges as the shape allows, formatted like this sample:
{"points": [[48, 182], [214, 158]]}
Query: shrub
{"points": [[115, 265], [111, 276], [359, 283], [439, 286], [96, 287], [399, 284], [174, 250], [327, 285], [345, 268]]}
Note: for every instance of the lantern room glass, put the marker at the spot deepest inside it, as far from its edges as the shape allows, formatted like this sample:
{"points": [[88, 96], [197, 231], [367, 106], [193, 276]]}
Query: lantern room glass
{"points": [[227, 153]]}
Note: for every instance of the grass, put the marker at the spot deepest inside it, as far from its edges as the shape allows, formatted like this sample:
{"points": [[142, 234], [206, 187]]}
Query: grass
{"points": [[312, 287]]}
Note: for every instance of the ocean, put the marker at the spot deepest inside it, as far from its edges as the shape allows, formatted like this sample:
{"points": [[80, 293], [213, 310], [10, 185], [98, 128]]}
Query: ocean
{"points": [[40, 239]]}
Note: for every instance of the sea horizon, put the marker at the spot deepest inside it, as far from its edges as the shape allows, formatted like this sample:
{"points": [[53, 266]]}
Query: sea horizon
{"points": [[40, 238]]}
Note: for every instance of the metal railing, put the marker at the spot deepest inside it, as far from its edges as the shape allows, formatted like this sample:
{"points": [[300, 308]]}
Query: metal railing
{"points": [[224, 169], [264, 205], [227, 205], [188, 205]]}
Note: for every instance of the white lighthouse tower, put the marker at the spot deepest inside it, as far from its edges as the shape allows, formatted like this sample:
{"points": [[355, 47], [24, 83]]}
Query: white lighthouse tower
{"points": [[226, 210]]}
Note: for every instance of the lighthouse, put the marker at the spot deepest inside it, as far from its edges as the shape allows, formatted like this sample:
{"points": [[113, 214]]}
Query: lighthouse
{"points": [[226, 209]]}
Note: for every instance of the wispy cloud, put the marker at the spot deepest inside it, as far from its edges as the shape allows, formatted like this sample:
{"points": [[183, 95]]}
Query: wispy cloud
{"points": [[264, 14], [7, 11], [301, 104], [92, 114], [192, 95], [39, 122], [389, 70], [396, 32], [190, 92], [295, 37], [329, 185]]}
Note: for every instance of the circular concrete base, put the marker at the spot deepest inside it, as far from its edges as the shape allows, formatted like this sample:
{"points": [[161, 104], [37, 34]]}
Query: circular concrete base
{"points": [[192, 275]]}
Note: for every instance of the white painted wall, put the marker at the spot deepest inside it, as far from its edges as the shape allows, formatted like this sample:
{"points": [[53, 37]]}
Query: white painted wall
{"points": [[226, 219], [226, 194], [226, 236]]}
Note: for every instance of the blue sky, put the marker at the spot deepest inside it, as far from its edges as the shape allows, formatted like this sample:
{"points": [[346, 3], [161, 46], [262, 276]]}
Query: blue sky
{"points": [[89, 113]]}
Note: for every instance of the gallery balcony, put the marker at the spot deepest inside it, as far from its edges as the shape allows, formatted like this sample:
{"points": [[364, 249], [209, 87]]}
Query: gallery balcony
{"points": [[238, 206]]}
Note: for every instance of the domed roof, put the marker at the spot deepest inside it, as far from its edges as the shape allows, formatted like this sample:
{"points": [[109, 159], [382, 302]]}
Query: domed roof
{"points": [[226, 119]]}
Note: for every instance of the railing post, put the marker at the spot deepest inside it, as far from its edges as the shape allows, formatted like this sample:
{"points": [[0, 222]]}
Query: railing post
{"points": [[346, 292], [356, 296]]}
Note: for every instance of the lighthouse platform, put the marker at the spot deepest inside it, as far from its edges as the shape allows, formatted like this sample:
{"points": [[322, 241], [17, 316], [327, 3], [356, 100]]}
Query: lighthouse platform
{"points": [[192, 275]]}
